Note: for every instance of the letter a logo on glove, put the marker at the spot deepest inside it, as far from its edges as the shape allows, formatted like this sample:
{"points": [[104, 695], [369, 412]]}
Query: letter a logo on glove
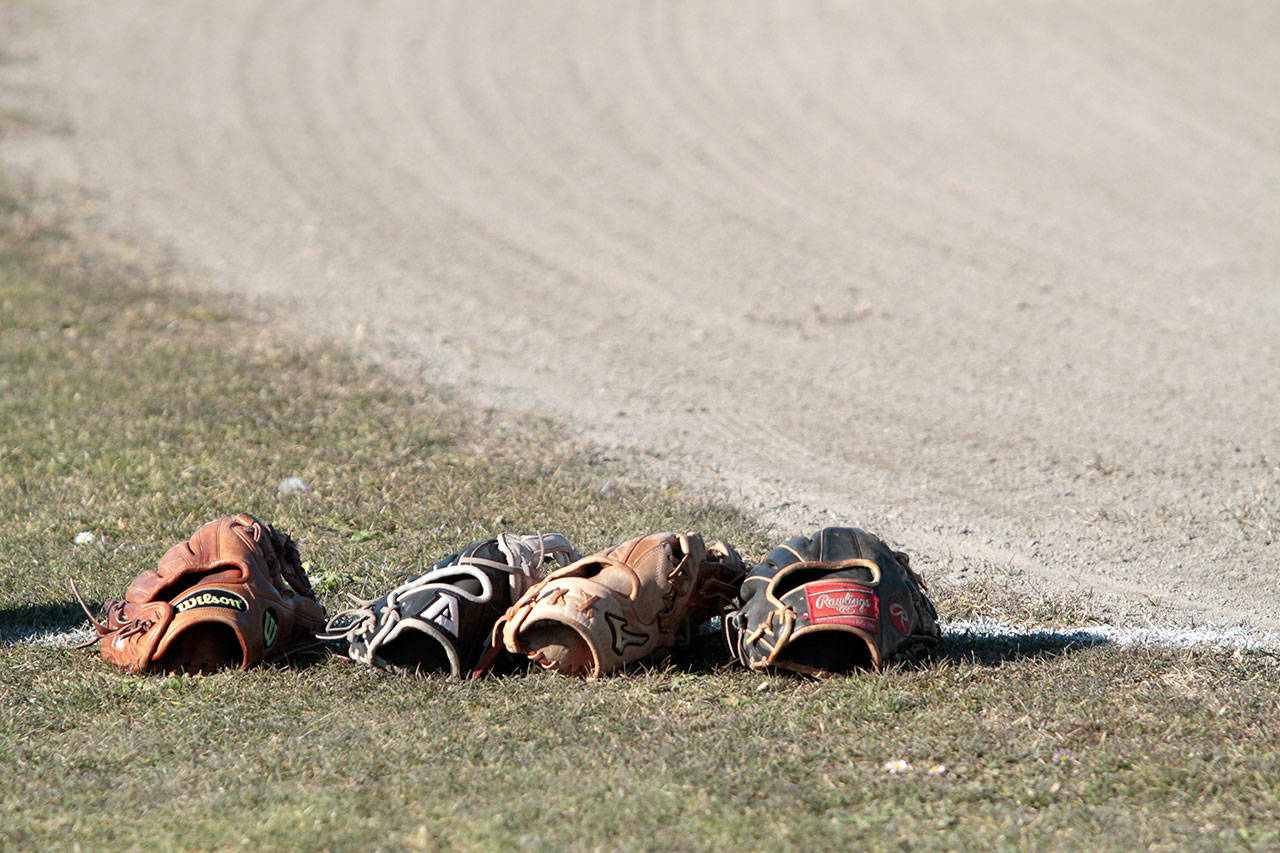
{"points": [[622, 635], [444, 612]]}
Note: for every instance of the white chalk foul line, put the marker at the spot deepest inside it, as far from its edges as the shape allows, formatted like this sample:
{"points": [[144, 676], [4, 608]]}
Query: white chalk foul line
{"points": [[55, 639], [1118, 635]]}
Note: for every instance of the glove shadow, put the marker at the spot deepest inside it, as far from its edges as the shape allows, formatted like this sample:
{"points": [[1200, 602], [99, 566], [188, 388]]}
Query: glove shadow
{"points": [[991, 650], [701, 655], [31, 621]]}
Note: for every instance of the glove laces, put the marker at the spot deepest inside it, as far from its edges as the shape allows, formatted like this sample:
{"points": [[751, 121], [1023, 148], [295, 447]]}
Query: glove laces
{"points": [[114, 615]]}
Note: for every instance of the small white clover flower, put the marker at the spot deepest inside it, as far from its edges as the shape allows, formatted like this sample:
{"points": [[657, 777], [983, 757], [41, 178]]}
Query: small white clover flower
{"points": [[1064, 756]]}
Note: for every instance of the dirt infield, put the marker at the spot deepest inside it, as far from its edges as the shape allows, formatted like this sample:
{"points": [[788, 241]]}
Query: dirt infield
{"points": [[1000, 284]]}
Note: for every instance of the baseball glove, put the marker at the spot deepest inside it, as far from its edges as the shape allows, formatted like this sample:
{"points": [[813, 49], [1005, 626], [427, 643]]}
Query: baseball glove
{"points": [[233, 595], [441, 620], [617, 606], [831, 603]]}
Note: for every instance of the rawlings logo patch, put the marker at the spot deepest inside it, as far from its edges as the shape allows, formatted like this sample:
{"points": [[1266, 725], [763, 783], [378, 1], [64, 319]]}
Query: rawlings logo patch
{"points": [[901, 620], [842, 602], [212, 598]]}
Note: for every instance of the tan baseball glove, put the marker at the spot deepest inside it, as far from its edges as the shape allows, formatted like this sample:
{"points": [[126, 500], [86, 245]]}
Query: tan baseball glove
{"points": [[232, 595], [615, 607]]}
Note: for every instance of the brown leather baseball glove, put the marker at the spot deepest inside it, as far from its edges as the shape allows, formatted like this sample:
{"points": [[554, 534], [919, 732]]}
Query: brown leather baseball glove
{"points": [[232, 595], [605, 611]]}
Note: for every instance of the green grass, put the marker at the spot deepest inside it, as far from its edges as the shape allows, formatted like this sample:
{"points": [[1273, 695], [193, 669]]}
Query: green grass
{"points": [[136, 415]]}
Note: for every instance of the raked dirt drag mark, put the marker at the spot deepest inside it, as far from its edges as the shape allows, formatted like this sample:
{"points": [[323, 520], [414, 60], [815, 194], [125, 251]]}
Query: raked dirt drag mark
{"points": [[1002, 284]]}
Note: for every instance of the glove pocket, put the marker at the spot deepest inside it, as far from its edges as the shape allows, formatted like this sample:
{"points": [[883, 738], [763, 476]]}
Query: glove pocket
{"points": [[217, 626], [578, 629], [836, 628]]}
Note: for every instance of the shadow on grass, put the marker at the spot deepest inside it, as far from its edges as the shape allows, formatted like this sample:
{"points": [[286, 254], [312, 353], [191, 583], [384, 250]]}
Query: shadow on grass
{"points": [[994, 649], [33, 621], [708, 653], [301, 658]]}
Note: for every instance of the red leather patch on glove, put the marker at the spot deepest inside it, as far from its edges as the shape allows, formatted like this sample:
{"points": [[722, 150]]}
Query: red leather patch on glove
{"points": [[842, 602]]}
